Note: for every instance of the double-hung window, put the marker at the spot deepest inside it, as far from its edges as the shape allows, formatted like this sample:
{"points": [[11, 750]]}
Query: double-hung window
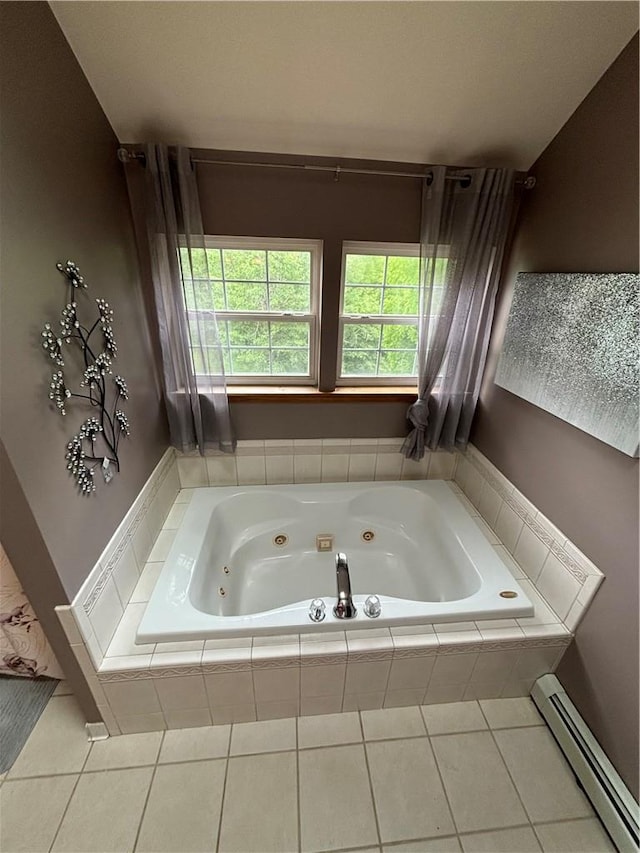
{"points": [[265, 293], [379, 314]]}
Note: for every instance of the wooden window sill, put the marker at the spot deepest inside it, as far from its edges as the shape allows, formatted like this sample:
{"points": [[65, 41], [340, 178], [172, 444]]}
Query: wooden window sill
{"points": [[306, 394]]}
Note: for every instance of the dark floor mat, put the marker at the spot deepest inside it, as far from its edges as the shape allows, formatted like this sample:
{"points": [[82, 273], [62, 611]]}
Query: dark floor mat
{"points": [[22, 700]]}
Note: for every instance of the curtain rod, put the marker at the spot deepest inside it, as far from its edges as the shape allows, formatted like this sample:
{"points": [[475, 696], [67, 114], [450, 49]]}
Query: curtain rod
{"points": [[126, 156]]}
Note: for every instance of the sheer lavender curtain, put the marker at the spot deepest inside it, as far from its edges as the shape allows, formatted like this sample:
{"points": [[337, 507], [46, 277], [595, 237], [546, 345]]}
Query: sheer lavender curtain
{"points": [[463, 235], [196, 401]]}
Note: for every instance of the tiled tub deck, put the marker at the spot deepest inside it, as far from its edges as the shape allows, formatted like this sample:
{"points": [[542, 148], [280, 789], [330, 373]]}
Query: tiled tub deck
{"points": [[196, 683]]}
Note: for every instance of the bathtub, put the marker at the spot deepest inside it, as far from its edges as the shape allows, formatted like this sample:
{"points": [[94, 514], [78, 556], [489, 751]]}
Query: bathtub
{"points": [[245, 561]]}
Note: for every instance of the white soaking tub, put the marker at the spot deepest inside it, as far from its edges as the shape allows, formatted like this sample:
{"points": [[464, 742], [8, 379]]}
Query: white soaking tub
{"points": [[245, 561]]}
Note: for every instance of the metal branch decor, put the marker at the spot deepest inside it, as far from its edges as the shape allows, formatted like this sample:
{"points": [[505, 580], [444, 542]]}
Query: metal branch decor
{"points": [[95, 445], [571, 347]]}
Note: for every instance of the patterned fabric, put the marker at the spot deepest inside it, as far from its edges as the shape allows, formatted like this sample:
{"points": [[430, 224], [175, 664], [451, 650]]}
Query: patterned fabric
{"points": [[24, 649]]}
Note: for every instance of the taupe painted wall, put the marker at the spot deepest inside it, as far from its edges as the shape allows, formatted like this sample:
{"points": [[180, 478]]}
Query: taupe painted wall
{"points": [[582, 217], [63, 195]]}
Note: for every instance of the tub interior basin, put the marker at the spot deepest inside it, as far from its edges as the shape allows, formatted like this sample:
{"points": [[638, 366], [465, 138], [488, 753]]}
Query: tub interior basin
{"points": [[259, 551]]}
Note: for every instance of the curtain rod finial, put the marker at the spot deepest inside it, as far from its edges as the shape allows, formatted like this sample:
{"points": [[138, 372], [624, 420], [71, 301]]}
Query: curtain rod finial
{"points": [[529, 182]]}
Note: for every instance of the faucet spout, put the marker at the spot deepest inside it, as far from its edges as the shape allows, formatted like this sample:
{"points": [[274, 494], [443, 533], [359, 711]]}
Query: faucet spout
{"points": [[345, 608]]}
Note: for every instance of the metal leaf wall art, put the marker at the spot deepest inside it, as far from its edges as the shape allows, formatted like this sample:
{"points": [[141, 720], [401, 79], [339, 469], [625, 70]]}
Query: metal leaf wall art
{"points": [[95, 445]]}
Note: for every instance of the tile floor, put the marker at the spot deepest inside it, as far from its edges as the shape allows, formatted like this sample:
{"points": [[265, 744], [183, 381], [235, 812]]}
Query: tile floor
{"points": [[468, 776]]}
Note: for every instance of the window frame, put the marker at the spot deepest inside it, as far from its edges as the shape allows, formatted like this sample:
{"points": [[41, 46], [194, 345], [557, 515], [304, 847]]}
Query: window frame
{"points": [[361, 247], [315, 248]]}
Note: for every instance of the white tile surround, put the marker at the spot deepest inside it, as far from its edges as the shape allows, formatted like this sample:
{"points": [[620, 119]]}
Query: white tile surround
{"points": [[195, 683]]}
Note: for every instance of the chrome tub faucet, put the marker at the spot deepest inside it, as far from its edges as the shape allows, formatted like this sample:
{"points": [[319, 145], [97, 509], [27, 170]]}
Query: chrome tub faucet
{"points": [[345, 608]]}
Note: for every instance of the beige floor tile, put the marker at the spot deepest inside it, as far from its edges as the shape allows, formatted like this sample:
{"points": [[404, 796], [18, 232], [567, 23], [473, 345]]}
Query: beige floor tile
{"points": [[409, 797], [519, 840], [63, 689], [428, 845], [336, 808], [124, 751], [392, 723], [464, 759], [57, 744], [263, 786], [574, 836], [194, 744], [542, 776], [510, 713], [329, 730], [183, 809], [104, 812], [453, 717], [263, 736], [31, 811]]}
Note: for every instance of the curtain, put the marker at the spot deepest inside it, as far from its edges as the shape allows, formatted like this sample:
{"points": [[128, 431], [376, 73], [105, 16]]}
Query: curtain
{"points": [[192, 365], [463, 233]]}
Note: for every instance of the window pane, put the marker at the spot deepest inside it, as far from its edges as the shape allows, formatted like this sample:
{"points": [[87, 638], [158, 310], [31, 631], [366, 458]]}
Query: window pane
{"points": [[364, 269], [246, 296], [436, 300], [290, 266], [290, 335], [403, 271], [386, 349], [400, 337], [360, 336], [204, 295], [206, 360], [250, 361], [396, 363], [290, 297], [362, 300], [441, 271], [290, 361], [401, 300], [203, 328], [197, 266], [245, 264], [248, 333], [215, 263], [359, 362]]}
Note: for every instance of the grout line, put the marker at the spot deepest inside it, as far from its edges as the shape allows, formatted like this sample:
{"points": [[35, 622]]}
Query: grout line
{"points": [[146, 801], [444, 789], [66, 808], [224, 788], [512, 780], [298, 786], [371, 791]]}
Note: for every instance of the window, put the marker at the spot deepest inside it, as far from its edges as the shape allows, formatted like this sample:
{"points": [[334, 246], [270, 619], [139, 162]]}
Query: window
{"points": [[266, 295], [379, 313]]}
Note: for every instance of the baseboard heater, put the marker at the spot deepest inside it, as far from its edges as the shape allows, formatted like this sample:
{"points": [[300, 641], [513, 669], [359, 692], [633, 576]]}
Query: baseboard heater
{"points": [[609, 796]]}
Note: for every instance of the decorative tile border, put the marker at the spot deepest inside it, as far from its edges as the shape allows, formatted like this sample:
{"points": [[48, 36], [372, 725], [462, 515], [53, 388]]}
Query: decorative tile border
{"points": [[125, 531], [575, 564]]}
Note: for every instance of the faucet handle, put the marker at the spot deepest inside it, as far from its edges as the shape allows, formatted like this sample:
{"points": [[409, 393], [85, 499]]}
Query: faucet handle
{"points": [[372, 606], [317, 610]]}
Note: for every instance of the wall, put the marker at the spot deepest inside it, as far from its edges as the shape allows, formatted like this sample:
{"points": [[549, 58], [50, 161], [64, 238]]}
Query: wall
{"points": [[63, 196], [582, 217]]}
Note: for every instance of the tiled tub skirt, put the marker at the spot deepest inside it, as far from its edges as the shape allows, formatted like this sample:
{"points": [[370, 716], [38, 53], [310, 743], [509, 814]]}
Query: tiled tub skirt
{"points": [[196, 683]]}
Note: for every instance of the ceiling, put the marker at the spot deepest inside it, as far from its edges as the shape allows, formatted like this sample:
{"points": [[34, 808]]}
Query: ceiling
{"points": [[449, 82]]}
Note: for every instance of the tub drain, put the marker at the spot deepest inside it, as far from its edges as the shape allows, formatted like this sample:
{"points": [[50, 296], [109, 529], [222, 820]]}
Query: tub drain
{"points": [[508, 593], [280, 540], [368, 536]]}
